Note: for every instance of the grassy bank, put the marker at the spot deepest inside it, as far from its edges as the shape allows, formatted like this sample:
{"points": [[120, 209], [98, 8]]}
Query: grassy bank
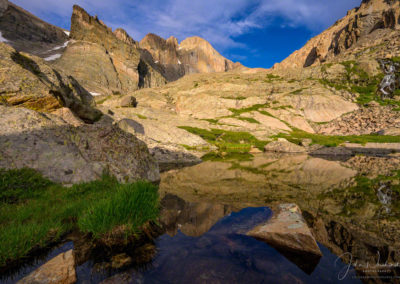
{"points": [[297, 135], [35, 211]]}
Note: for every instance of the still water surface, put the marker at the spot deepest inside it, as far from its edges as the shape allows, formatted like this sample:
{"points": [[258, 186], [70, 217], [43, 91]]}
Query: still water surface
{"points": [[351, 205]]}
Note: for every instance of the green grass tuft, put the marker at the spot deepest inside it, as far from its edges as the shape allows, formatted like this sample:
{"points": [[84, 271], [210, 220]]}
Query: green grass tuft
{"points": [[248, 109], [141, 116], [19, 185], [131, 205], [239, 98], [35, 211]]}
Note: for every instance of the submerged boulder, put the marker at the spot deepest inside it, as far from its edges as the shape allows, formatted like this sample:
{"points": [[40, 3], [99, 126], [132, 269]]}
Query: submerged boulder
{"points": [[287, 231], [60, 270]]}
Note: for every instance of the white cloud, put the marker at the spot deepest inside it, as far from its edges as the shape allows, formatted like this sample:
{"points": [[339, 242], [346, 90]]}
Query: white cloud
{"points": [[218, 21]]}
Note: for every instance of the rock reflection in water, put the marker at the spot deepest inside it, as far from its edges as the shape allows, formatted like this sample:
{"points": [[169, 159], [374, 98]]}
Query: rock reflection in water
{"points": [[217, 251], [339, 199]]}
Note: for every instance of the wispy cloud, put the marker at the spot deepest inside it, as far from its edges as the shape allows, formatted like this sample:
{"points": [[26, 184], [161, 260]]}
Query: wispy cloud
{"points": [[220, 22]]}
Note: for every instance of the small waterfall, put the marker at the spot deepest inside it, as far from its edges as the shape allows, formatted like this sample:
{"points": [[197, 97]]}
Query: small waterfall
{"points": [[391, 81], [384, 194]]}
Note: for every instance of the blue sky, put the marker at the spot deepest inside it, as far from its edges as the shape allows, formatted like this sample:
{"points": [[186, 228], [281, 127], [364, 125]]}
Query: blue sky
{"points": [[257, 33]]}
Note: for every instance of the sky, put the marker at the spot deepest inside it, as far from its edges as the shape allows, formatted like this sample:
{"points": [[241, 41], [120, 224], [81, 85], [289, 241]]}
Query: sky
{"points": [[258, 33]]}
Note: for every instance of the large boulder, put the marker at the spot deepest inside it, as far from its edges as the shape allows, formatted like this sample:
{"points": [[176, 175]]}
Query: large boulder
{"points": [[128, 101], [283, 146], [59, 270], [68, 154], [27, 81]]}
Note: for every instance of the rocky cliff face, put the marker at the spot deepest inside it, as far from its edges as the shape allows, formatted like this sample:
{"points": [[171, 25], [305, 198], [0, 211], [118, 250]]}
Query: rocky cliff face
{"points": [[3, 6], [165, 54], [27, 81], [193, 55], [95, 47], [371, 20], [25, 32]]}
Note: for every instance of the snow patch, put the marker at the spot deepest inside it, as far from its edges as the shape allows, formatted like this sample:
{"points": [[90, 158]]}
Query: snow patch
{"points": [[67, 33], [61, 46], [95, 94], [53, 57], [2, 39]]}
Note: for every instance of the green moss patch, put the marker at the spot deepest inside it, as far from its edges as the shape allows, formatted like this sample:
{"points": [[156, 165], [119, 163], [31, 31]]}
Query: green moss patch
{"points": [[229, 141], [297, 135], [240, 111], [248, 119]]}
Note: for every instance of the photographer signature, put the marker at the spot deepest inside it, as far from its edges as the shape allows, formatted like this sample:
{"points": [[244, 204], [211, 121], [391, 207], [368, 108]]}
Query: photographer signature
{"points": [[344, 271]]}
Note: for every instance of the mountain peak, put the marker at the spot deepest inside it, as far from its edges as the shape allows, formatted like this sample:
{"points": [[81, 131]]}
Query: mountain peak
{"points": [[173, 41], [86, 27], [3, 6], [122, 35], [194, 42], [192, 55]]}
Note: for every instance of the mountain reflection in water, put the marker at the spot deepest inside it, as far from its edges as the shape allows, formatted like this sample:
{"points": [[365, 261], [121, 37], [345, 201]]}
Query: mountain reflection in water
{"points": [[352, 206]]}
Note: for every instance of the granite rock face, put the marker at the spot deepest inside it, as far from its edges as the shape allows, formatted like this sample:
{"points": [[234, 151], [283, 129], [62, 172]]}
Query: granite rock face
{"points": [[192, 55]]}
